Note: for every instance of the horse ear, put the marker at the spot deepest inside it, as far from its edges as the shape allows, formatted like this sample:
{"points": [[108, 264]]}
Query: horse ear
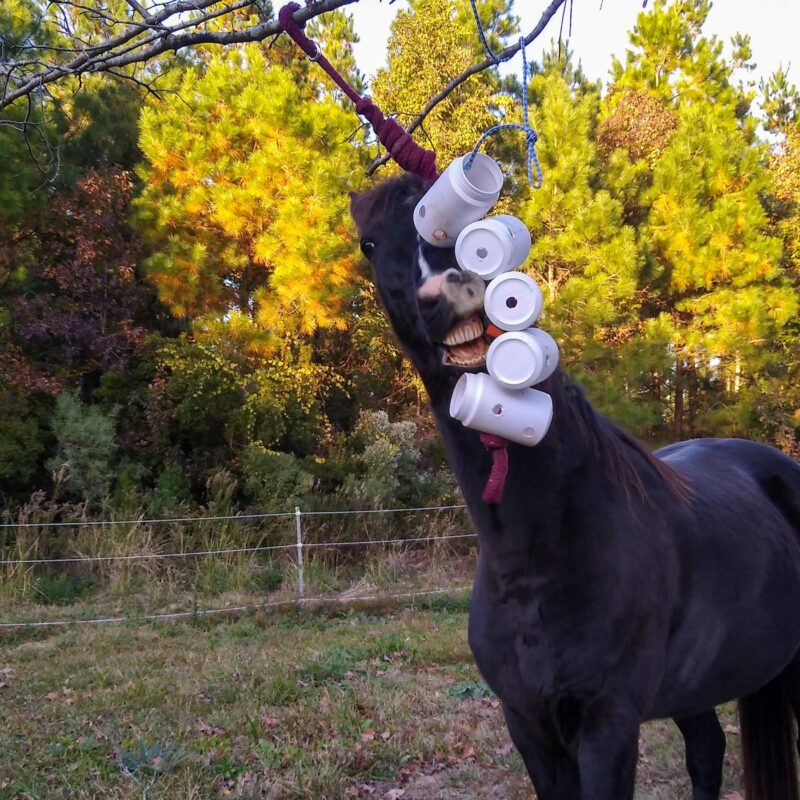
{"points": [[359, 210]]}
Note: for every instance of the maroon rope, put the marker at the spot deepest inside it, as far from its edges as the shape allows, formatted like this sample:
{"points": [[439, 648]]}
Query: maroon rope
{"points": [[403, 149], [493, 491]]}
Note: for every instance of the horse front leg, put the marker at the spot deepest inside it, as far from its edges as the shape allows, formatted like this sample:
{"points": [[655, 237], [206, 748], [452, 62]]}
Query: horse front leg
{"points": [[608, 750], [553, 770]]}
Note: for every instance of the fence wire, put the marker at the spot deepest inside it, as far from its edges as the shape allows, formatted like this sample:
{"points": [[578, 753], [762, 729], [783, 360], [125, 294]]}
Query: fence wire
{"points": [[239, 517], [298, 602], [298, 547], [257, 549]]}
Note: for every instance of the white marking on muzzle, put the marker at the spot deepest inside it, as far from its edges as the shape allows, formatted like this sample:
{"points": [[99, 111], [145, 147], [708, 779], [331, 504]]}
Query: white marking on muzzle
{"points": [[432, 287]]}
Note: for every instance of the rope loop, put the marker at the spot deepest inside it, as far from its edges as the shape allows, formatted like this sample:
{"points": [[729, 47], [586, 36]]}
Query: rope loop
{"points": [[535, 175]]}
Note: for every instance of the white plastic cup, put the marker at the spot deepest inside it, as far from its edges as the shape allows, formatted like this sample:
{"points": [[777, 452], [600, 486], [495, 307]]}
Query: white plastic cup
{"points": [[513, 301], [457, 198], [482, 404], [493, 246], [519, 359]]}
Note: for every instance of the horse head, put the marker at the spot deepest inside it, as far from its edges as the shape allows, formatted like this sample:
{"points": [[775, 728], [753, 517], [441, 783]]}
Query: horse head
{"points": [[435, 307]]}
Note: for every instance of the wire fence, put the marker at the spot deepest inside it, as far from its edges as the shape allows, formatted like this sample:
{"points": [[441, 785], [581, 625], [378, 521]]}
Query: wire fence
{"points": [[224, 518], [300, 544], [206, 612]]}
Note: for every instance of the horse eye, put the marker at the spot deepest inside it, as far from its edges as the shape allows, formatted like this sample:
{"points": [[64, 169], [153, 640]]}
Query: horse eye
{"points": [[367, 246]]}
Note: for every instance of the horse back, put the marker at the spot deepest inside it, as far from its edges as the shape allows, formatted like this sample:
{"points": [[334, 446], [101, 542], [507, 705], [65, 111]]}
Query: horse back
{"points": [[731, 463]]}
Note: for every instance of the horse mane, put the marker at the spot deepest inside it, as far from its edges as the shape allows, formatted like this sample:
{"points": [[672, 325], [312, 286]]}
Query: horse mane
{"points": [[623, 453]]}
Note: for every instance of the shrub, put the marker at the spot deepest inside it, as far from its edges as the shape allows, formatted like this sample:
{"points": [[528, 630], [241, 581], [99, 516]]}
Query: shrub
{"points": [[272, 480], [19, 443], [86, 447], [172, 490], [389, 457]]}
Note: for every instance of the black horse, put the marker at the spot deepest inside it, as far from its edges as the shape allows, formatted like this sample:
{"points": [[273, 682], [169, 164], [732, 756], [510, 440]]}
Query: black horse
{"points": [[613, 586]]}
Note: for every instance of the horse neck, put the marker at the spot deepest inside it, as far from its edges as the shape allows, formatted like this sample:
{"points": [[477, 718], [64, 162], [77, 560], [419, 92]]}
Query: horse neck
{"points": [[542, 481]]}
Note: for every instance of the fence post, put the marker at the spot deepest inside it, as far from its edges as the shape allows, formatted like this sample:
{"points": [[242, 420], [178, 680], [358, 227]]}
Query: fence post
{"points": [[299, 528]]}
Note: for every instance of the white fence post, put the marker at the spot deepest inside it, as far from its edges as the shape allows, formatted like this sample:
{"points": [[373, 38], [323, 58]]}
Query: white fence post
{"points": [[299, 527]]}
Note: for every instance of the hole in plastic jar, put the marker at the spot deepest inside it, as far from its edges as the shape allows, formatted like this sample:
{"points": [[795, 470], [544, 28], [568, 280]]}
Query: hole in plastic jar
{"points": [[511, 302], [482, 252], [497, 410], [528, 433], [422, 211]]}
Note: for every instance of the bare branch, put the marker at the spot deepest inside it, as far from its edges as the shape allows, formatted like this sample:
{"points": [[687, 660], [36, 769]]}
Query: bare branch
{"points": [[504, 55], [139, 9], [145, 39]]}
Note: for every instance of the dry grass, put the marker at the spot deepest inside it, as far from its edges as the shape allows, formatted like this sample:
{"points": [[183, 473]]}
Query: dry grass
{"points": [[373, 703]]}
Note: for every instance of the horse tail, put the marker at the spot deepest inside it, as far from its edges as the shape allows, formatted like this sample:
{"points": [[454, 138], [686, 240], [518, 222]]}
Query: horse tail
{"points": [[767, 728]]}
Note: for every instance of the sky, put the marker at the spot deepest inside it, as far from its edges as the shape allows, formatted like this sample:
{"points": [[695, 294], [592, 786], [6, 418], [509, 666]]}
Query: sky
{"points": [[599, 33]]}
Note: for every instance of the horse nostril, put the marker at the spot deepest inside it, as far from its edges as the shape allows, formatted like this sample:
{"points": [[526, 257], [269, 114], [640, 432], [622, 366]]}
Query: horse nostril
{"points": [[471, 292]]}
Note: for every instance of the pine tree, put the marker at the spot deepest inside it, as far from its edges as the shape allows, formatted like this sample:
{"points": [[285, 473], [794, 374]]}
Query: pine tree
{"points": [[690, 175], [582, 254], [432, 42]]}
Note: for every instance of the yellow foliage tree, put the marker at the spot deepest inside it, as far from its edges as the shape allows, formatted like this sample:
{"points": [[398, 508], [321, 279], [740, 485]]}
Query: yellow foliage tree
{"points": [[245, 203]]}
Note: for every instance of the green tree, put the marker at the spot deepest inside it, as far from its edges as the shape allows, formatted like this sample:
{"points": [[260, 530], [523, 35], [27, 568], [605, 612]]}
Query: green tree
{"points": [[780, 101], [87, 448], [431, 42], [583, 254], [690, 174]]}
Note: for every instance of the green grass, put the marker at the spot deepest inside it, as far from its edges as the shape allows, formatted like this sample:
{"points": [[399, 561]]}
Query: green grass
{"points": [[307, 704]]}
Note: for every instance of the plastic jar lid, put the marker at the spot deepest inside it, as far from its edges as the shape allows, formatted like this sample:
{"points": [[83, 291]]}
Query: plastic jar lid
{"points": [[513, 301]]}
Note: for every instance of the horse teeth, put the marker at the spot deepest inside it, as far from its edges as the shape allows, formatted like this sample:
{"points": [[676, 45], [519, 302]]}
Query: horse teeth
{"points": [[464, 332]]}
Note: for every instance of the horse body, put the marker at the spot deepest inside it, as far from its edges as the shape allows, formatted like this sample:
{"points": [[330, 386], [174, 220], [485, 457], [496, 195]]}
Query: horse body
{"points": [[613, 587], [737, 624]]}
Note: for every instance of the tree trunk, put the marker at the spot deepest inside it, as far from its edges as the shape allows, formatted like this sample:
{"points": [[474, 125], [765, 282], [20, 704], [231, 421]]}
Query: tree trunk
{"points": [[677, 421]]}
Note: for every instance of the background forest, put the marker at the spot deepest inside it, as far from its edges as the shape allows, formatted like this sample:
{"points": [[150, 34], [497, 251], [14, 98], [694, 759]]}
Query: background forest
{"points": [[185, 319]]}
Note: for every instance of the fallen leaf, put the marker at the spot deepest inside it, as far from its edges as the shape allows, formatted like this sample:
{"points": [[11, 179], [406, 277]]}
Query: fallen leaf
{"points": [[368, 735], [394, 794], [469, 752], [734, 729], [208, 730], [385, 736], [269, 722]]}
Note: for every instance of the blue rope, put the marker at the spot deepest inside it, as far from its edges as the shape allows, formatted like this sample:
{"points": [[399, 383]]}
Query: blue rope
{"points": [[482, 34], [531, 137]]}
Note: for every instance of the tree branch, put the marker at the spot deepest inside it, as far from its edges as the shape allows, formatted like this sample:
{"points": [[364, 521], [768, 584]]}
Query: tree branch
{"points": [[124, 49], [504, 55]]}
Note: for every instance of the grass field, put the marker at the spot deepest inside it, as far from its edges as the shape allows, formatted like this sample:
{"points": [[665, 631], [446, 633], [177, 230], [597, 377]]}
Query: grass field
{"points": [[380, 702]]}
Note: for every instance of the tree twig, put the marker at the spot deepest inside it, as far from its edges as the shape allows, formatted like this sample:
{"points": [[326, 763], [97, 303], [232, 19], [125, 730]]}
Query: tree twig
{"points": [[504, 55], [125, 48]]}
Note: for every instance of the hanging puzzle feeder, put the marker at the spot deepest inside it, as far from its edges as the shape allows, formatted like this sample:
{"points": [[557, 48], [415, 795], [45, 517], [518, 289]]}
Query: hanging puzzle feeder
{"points": [[500, 403]]}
